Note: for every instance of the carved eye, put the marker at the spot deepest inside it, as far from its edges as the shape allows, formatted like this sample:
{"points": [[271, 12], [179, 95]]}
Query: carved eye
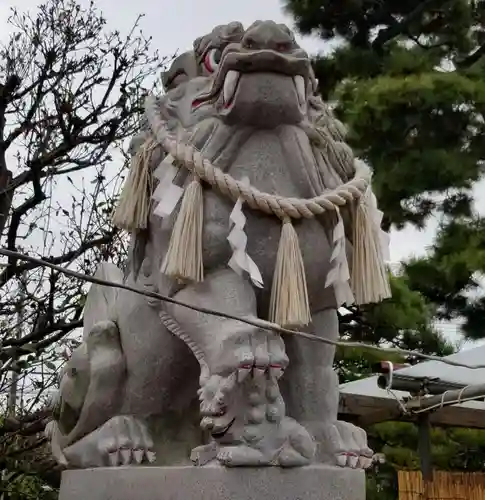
{"points": [[283, 47], [212, 60]]}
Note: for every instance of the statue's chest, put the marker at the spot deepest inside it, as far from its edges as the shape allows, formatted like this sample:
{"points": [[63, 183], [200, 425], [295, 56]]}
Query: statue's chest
{"points": [[271, 168], [264, 161]]}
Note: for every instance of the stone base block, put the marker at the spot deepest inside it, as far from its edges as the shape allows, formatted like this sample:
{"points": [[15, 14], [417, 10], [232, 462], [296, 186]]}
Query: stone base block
{"points": [[213, 483]]}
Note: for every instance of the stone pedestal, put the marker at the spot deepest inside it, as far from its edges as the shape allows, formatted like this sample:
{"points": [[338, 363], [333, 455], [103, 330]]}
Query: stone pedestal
{"points": [[213, 483]]}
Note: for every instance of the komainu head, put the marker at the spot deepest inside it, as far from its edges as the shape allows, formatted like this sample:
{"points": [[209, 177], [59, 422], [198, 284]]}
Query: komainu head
{"points": [[258, 77]]}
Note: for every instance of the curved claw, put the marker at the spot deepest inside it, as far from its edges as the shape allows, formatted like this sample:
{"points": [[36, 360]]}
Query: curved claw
{"points": [[276, 371], [123, 440], [243, 372], [151, 456], [352, 449], [138, 455], [364, 462], [113, 459], [352, 460], [259, 374], [125, 456]]}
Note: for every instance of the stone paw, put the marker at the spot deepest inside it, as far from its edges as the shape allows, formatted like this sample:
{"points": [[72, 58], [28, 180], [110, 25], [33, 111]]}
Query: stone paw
{"points": [[238, 456], [300, 447], [353, 451], [341, 444], [204, 454], [286, 444], [261, 364], [128, 443], [289, 457], [123, 440]]}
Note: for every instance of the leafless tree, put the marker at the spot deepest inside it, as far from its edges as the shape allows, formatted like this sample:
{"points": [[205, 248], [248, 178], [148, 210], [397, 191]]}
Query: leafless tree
{"points": [[70, 96]]}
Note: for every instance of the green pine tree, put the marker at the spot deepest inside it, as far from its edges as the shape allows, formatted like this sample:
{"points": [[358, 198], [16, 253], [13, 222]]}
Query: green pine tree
{"points": [[407, 78]]}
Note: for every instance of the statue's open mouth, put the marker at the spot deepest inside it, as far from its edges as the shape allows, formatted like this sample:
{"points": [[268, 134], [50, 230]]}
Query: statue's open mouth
{"points": [[252, 86], [233, 77], [224, 431]]}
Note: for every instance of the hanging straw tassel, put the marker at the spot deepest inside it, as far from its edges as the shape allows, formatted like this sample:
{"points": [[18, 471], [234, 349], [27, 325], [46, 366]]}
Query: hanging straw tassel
{"points": [[134, 204], [370, 281], [289, 305], [183, 260]]}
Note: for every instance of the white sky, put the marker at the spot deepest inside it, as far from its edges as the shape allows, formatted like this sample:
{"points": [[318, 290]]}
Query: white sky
{"points": [[174, 25]]}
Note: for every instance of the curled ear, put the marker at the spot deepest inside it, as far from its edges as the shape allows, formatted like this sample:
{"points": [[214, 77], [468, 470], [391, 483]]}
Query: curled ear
{"points": [[183, 69]]}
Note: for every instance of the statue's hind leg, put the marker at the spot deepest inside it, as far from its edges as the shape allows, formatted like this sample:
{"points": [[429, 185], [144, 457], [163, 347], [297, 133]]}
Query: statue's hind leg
{"points": [[311, 389], [240, 402], [162, 378]]}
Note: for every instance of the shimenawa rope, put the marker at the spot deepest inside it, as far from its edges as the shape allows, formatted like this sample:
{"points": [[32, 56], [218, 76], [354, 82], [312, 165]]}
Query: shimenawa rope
{"points": [[289, 297]]}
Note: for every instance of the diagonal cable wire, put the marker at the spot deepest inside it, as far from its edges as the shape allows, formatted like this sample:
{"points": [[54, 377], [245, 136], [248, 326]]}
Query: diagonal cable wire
{"points": [[256, 322]]}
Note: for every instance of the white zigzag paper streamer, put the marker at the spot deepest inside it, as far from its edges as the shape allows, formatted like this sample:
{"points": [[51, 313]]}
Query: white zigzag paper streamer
{"points": [[339, 274], [167, 194], [240, 260]]}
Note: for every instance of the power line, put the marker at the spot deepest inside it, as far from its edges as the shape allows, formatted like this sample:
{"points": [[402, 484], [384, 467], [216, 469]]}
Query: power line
{"points": [[256, 322]]}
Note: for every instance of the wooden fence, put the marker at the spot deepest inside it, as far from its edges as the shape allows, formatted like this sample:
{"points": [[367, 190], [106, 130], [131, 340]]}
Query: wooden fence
{"points": [[445, 486]]}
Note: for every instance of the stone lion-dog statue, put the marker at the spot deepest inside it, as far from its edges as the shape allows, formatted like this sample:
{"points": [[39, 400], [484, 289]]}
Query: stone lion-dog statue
{"points": [[242, 198]]}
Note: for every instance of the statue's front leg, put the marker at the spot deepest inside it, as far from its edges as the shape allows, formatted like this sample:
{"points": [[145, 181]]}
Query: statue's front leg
{"points": [[310, 387], [122, 440], [241, 405]]}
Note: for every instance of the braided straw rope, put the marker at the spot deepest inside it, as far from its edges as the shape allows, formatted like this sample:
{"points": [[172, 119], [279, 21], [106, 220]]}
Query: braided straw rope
{"points": [[294, 208]]}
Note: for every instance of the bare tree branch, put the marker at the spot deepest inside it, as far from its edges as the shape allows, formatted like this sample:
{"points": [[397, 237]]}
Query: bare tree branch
{"points": [[70, 96], [15, 270], [402, 27]]}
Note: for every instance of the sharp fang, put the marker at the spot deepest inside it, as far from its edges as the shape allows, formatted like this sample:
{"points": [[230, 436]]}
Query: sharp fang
{"points": [[230, 84], [300, 88]]}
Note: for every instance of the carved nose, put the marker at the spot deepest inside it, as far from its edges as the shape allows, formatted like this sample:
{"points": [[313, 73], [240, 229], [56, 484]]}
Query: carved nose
{"points": [[267, 35]]}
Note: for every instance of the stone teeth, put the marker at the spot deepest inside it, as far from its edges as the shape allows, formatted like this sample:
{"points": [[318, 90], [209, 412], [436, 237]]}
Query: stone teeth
{"points": [[230, 84], [300, 88]]}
